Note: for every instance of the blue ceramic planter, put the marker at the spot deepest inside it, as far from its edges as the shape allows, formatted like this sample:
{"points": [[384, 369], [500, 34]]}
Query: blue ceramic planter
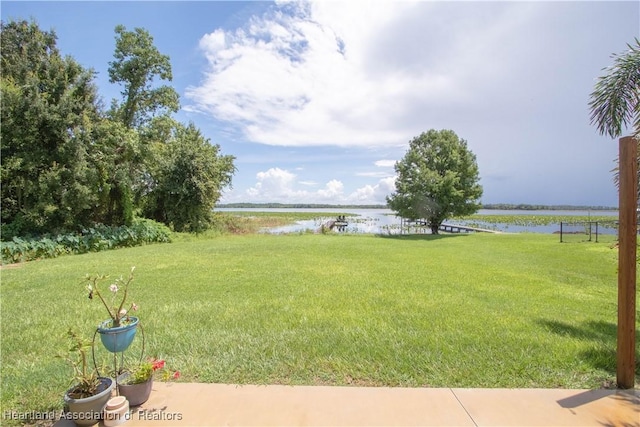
{"points": [[118, 339]]}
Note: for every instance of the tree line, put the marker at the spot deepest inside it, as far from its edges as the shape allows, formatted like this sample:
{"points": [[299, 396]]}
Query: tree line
{"points": [[244, 205], [488, 206], [68, 162]]}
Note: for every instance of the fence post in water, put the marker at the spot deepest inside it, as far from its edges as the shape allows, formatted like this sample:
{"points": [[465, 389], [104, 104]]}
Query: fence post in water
{"points": [[628, 204], [560, 231]]}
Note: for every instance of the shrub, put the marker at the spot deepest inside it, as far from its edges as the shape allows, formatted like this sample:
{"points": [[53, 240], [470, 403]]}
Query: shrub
{"points": [[94, 239]]}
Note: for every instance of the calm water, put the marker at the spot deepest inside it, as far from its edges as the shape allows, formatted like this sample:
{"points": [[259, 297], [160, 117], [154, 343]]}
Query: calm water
{"points": [[383, 221]]}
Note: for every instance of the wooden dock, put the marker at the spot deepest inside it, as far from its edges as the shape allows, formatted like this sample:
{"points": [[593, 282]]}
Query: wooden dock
{"points": [[454, 228], [340, 225], [422, 224]]}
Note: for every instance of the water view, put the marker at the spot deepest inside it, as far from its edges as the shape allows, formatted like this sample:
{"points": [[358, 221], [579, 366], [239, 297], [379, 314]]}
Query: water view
{"points": [[384, 221]]}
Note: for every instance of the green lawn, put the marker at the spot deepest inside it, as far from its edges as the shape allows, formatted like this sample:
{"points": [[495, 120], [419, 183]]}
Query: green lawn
{"points": [[483, 310]]}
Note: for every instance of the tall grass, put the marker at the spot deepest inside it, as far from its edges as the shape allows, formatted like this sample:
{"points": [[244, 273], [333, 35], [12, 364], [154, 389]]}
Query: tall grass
{"points": [[436, 311]]}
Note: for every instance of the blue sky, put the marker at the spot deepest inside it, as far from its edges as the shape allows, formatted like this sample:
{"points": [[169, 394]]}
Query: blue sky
{"points": [[318, 100]]}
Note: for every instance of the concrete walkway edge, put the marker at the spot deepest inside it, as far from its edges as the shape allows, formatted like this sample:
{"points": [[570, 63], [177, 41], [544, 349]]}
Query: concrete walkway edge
{"points": [[195, 404]]}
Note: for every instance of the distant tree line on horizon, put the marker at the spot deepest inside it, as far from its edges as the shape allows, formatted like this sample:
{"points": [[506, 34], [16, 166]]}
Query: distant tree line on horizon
{"points": [[489, 206], [248, 205], [527, 207]]}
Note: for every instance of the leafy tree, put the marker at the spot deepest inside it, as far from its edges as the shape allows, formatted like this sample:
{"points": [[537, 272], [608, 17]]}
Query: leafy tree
{"points": [[180, 174], [117, 162], [137, 64], [66, 165], [615, 100], [437, 178], [189, 175], [49, 106]]}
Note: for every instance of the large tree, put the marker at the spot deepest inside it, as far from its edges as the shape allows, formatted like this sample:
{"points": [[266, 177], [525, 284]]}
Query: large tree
{"points": [[437, 178], [175, 175], [49, 107], [136, 66], [187, 178], [66, 164], [118, 164]]}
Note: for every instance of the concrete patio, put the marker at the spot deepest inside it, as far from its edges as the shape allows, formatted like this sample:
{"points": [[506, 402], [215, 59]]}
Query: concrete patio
{"points": [[189, 404]]}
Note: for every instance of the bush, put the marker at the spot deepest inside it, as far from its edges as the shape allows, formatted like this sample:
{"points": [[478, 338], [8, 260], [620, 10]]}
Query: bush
{"points": [[94, 239], [224, 223]]}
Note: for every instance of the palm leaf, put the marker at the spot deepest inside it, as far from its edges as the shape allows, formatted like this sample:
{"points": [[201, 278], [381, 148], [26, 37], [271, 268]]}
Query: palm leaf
{"points": [[615, 100]]}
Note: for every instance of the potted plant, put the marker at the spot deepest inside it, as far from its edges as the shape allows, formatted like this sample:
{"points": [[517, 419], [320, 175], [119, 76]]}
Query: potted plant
{"points": [[87, 398], [118, 332], [135, 384]]}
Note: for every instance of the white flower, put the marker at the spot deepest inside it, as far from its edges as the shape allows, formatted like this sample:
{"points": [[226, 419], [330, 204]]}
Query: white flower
{"points": [[113, 288]]}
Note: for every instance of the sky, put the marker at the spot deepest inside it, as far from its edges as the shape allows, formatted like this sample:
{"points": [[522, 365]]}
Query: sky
{"points": [[318, 100]]}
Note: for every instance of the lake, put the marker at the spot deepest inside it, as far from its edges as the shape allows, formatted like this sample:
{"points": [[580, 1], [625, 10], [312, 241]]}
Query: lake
{"points": [[383, 221]]}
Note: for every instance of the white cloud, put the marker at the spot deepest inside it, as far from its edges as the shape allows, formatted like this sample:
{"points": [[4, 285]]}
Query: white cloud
{"points": [[333, 190], [374, 194], [373, 174], [374, 76], [278, 185], [274, 183], [338, 73], [385, 163]]}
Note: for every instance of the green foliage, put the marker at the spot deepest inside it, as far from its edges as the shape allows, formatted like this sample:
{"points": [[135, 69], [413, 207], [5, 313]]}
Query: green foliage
{"points": [[181, 172], [529, 207], [150, 231], [437, 178], [49, 105], [141, 373], [92, 239], [137, 63], [119, 163], [86, 381], [225, 223], [507, 310], [66, 164], [144, 370], [189, 176], [536, 220], [615, 100]]}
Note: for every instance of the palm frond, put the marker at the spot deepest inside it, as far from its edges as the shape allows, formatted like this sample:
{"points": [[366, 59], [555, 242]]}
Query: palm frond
{"points": [[615, 100]]}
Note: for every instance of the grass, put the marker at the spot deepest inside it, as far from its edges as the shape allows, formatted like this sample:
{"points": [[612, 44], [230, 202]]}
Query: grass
{"points": [[517, 310], [535, 220], [250, 222]]}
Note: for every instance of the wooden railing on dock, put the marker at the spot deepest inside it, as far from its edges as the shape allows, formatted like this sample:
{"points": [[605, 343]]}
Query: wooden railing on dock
{"points": [[421, 224], [454, 228]]}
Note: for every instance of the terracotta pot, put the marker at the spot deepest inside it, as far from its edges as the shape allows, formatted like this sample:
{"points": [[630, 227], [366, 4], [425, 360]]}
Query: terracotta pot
{"points": [[116, 411]]}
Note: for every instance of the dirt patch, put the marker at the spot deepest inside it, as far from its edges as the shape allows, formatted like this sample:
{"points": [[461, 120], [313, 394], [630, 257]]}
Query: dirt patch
{"points": [[8, 266]]}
